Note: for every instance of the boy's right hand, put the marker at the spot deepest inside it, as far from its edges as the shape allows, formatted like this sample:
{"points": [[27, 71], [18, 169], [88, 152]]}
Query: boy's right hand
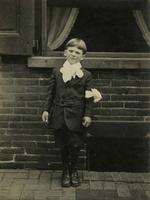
{"points": [[45, 117]]}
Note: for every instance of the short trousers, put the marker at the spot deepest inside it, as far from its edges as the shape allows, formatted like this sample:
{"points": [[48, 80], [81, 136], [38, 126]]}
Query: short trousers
{"points": [[65, 137]]}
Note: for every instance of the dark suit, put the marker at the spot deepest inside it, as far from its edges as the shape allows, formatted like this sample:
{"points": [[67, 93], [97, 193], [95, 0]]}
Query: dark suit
{"points": [[66, 102]]}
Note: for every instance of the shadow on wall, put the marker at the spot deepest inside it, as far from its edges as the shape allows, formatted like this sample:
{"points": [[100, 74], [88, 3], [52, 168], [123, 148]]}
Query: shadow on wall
{"points": [[119, 147]]}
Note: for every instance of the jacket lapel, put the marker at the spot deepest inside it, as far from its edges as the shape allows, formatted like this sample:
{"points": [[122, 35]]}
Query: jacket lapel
{"points": [[75, 81]]}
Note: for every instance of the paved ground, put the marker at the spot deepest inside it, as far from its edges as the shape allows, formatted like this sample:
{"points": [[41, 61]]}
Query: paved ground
{"points": [[45, 185]]}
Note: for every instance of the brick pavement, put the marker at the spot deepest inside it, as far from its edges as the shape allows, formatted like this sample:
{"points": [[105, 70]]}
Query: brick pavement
{"points": [[45, 185]]}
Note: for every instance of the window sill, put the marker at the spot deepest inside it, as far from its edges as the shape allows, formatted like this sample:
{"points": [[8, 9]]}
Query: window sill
{"points": [[96, 61]]}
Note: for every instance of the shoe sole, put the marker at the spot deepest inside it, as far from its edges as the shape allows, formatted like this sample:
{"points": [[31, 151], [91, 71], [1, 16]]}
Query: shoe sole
{"points": [[75, 185], [66, 185]]}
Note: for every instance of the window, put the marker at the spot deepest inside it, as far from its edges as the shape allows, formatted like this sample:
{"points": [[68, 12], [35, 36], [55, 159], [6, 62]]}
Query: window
{"points": [[109, 31], [103, 29]]}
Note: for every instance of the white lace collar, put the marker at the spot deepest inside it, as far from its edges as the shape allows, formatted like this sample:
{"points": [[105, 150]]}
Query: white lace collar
{"points": [[71, 71]]}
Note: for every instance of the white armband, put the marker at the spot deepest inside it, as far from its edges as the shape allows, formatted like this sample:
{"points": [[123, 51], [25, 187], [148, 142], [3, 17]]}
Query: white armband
{"points": [[93, 93]]}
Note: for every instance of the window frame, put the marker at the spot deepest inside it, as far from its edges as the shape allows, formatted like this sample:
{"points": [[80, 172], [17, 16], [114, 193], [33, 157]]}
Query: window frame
{"points": [[122, 60]]}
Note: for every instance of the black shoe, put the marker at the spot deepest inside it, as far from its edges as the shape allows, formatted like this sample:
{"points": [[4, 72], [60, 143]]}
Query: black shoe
{"points": [[65, 180], [75, 180]]}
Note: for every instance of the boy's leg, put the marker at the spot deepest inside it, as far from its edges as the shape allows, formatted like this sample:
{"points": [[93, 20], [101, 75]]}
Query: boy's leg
{"points": [[65, 181], [65, 156], [74, 154], [61, 141]]}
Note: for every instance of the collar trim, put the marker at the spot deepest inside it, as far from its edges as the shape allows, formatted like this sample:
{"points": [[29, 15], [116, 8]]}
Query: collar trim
{"points": [[71, 71]]}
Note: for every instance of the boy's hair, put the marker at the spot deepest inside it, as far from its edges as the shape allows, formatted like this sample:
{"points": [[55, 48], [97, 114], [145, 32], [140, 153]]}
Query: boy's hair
{"points": [[76, 42]]}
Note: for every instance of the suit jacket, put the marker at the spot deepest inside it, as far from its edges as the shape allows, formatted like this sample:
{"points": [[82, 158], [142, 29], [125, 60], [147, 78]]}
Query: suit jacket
{"points": [[66, 102]]}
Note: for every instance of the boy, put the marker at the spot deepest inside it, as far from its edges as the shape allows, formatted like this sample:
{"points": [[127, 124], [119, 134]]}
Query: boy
{"points": [[69, 106]]}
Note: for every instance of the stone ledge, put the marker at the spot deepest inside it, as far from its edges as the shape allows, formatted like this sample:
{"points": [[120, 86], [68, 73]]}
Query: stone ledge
{"points": [[119, 129], [99, 61]]}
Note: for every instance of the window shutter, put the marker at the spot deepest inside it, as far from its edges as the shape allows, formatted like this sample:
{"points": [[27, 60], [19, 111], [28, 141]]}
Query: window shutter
{"points": [[16, 27]]}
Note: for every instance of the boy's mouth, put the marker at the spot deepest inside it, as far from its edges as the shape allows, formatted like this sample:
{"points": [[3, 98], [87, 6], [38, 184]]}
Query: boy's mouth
{"points": [[72, 57], [72, 61]]}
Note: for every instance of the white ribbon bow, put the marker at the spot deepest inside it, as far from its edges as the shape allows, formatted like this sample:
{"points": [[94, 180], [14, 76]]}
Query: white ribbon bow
{"points": [[93, 93], [71, 71]]}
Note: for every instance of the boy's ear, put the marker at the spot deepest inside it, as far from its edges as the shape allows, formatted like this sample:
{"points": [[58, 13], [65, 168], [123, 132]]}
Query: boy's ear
{"points": [[65, 53], [83, 56]]}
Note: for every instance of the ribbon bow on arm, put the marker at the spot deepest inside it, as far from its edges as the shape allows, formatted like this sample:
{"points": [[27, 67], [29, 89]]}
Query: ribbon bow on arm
{"points": [[93, 93]]}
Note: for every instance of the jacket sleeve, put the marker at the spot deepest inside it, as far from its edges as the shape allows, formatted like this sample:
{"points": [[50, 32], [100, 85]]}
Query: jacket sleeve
{"points": [[88, 101], [51, 92]]}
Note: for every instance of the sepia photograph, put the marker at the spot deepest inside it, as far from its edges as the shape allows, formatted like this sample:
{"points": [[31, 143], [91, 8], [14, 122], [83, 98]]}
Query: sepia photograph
{"points": [[74, 99]]}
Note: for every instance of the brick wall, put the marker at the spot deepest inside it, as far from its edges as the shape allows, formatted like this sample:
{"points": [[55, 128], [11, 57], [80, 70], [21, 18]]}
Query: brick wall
{"points": [[25, 142], [126, 95]]}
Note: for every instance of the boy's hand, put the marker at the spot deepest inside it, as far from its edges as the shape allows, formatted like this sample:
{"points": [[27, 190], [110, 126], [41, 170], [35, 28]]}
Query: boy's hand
{"points": [[86, 121], [45, 117]]}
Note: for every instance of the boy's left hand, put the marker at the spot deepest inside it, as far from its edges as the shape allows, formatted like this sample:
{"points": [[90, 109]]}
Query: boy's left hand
{"points": [[86, 121]]}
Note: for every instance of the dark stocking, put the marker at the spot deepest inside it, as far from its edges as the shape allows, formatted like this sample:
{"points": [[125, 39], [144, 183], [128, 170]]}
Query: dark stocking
{"points": [[74, 154], [65, 156], [65, 180]]}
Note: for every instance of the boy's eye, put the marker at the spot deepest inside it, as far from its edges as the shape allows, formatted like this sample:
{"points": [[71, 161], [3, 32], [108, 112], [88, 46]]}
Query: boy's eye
{"points": [[71, 51], [77, 52], [74, 51]]}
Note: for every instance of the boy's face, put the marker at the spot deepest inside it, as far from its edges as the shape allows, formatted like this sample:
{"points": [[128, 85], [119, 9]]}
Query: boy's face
{"points": [[73, 55]]}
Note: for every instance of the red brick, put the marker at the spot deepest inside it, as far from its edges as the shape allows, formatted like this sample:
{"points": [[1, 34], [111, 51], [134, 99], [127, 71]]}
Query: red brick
{"points": [[25, 144], [26, 97], [35, 104], [25, 111], [130, 97], [12, 104], [31, 131], [11, 165], [112, 104], [7, 117], [137, 104], [6, 110], [6, 157], [11, 150], [26, 125], [26, 81], [24, 137], [12, 89], [5, 81]]}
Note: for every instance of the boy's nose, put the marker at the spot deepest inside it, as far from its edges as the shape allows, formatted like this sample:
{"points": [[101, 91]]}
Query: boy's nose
{"points": [[73, 53]]}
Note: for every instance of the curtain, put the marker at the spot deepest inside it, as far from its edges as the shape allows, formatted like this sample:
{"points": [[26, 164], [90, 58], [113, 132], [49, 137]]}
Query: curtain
{"points": [[60, 22], [142, 25]]}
